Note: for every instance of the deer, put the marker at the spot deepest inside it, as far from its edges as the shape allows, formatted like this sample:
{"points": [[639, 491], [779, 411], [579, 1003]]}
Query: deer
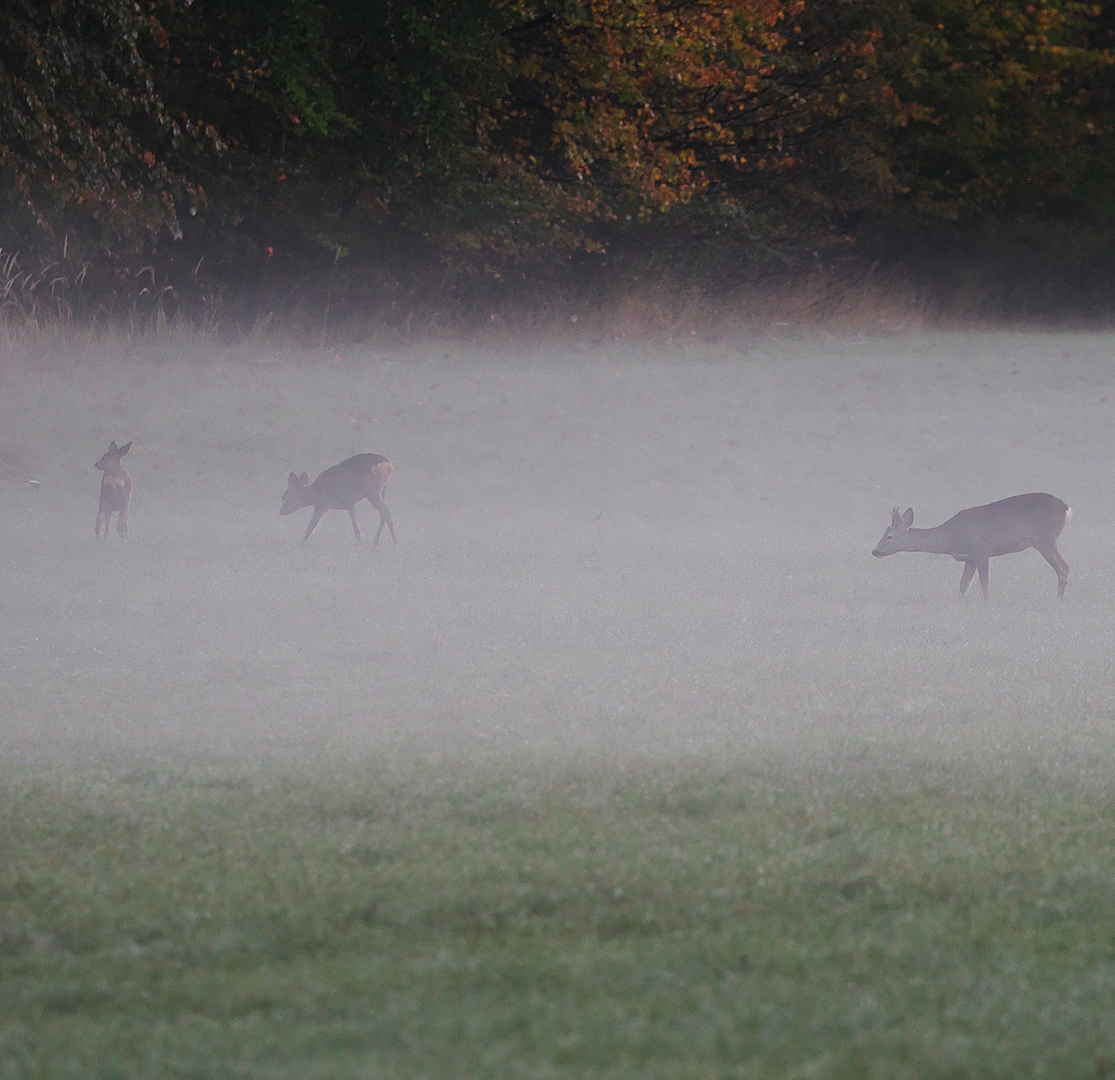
{"points": [[981, 532], [341, 487], [116, 490]]}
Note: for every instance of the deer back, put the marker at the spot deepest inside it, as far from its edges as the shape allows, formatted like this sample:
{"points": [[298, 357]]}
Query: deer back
{"points": [[346, 483], [1008, 525]]}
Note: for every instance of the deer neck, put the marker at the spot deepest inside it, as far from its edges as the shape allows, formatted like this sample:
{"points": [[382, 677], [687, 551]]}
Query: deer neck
{"points": [[938, 541]]}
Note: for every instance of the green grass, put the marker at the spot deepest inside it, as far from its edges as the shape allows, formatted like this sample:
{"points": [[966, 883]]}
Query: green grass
{"points": [[626, 724], [638, 922]]}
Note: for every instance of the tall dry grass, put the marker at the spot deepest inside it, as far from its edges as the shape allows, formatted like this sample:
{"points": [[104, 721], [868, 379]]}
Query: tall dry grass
{"points": [[54, 306]]}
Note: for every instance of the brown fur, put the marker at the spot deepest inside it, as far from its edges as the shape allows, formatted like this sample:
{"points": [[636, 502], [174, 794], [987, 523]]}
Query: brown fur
{"points": [[116, 490], [982, 532], [341, 487]]}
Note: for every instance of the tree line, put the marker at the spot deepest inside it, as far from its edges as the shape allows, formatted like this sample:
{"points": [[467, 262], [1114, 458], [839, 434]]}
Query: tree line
{"points": [[497, 134]]}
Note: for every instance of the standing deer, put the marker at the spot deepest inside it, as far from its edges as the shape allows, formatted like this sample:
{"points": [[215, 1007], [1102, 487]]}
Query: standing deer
{"points": [[975, 535], [341, 487], [116, 490]]}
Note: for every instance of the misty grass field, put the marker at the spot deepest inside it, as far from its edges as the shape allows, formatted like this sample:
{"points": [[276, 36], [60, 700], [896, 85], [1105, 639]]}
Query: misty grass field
{"points": [[629, 760]]}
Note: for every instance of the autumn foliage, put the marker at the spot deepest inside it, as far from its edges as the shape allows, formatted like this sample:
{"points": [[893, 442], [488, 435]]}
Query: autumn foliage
{"points": [[502, 131]]}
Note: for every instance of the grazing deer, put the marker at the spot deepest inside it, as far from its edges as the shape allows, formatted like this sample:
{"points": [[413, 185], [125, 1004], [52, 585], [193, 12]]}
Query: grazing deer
{"points": [[975, 535], [341, 487], [116, 489]]}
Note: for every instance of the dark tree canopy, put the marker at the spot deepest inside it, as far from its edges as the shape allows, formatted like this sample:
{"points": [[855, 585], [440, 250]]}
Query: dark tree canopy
{"points": [[509, 129]]}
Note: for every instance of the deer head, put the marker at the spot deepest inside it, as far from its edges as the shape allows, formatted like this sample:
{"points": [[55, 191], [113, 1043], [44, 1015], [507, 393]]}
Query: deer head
{"points": [[110, 459], [298, 493], [894, 539]]}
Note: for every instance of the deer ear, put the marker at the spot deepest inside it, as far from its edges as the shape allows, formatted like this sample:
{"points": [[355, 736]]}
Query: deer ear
{"points": [[908, 517], [894, 515], [292, 480], [112, 447], [303, 479], [124, 449]]}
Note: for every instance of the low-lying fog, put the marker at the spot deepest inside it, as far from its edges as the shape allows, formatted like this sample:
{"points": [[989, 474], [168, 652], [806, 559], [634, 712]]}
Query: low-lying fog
{"points": [[605, 552]]}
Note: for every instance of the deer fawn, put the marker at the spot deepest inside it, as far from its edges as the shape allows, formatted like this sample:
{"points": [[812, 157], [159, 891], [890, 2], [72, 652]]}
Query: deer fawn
{"points": [[341, 487], [116, 489], [975, 535]]}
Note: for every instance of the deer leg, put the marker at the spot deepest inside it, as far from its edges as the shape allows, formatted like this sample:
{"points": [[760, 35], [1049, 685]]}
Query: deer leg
{"points": [[318, 511], [981, 566], [355, 524], [101, 521], [966, 577], [384, 519], [121, 524], [1057, 561]]}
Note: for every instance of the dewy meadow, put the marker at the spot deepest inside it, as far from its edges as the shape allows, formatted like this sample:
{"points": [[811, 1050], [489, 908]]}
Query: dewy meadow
{"points": [[629, 760]]}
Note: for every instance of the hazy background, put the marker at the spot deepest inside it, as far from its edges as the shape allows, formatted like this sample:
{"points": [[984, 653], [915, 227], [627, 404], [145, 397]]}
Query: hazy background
{"points": [[606, 553]]}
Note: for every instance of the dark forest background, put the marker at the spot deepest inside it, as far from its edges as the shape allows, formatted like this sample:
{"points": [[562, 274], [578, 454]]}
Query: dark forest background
{"points": [[441, 163]]}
